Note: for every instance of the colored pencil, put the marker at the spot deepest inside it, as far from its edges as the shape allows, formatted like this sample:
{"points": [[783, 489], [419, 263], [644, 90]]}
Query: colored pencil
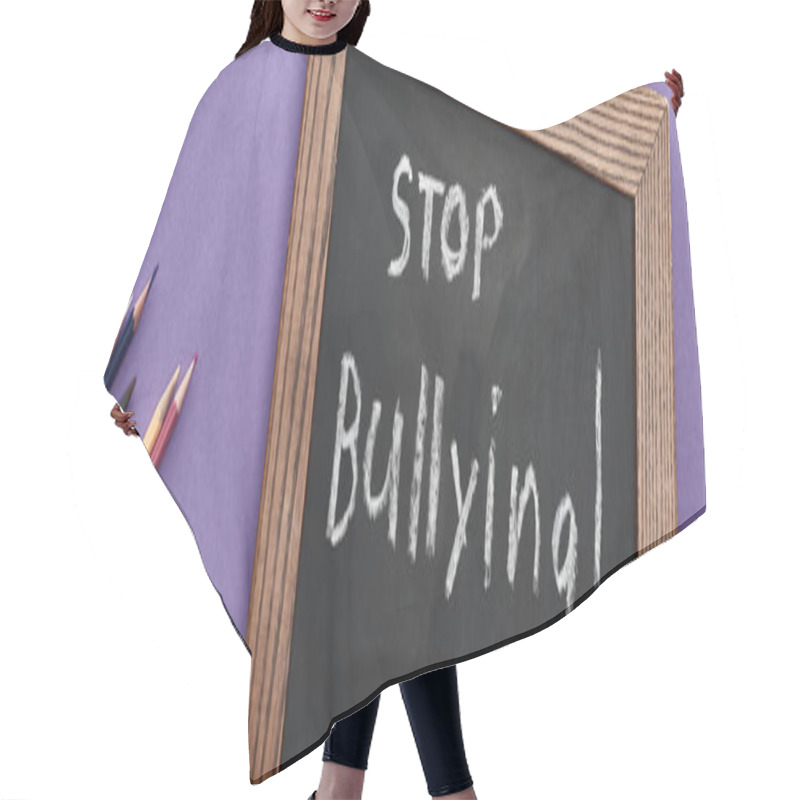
{"points": [[129, 326], [126, 397], [157, 420], [118, 351], [172, 416]]}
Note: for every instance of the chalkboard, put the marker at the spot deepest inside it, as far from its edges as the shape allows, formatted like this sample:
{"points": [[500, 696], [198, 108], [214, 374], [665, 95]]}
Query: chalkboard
{"points": [[473, 418]]}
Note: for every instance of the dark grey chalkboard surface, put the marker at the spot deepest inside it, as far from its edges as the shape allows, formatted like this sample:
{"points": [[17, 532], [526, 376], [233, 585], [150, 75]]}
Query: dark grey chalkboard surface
{"points": [[536, 369]]}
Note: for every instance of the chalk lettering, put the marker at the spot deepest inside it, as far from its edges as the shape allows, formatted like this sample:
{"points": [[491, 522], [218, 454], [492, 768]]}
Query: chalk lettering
{"points": [[401, 209], [566, 574], [489, 524], [386, 500], [453, 261], [519, 503], [416, 478], [463, 505], [433, 477], [483, 243], [345, 440], [428, 185], [388, 494]]}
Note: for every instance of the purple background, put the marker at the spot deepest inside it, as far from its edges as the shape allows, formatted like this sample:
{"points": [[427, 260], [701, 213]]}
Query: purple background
{"points": [[220, 242]]}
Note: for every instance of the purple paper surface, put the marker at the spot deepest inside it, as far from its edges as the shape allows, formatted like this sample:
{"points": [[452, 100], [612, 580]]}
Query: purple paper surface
{"points": [[220, 242]]}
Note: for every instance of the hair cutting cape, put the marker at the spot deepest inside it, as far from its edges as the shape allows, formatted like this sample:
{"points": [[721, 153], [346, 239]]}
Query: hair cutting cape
{"points": [[418, 381]]}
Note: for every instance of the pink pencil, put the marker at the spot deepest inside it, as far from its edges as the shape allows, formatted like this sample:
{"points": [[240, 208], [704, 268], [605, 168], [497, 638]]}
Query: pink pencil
{"points": [[172, 416]]}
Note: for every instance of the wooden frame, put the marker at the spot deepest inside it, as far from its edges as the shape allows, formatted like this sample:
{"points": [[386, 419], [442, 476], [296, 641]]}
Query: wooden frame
{"points": [[624, 143], [276, 558]]}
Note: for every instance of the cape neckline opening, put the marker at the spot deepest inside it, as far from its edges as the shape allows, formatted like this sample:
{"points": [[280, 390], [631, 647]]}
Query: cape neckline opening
{"points": [[311, 49]]}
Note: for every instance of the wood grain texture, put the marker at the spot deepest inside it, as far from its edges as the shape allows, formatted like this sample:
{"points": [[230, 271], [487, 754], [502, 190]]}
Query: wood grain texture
{"points": [[277, 553], [655, 382], [624, 143], [611, 141]]}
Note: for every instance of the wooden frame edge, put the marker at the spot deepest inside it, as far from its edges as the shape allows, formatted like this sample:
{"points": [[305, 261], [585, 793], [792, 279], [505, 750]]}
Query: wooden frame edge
{"points": [[277, 553]]}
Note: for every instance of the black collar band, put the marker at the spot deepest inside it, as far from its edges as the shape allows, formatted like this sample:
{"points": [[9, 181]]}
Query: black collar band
{"points": [[311, 49]]}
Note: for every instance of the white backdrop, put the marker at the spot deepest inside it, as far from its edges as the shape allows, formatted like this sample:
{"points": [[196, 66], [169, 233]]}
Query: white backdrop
{"points": [[120, 673]]}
